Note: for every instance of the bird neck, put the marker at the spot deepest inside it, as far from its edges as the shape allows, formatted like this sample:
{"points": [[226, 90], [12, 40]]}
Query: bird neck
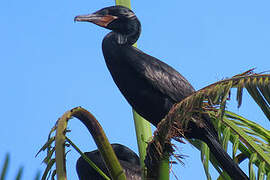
{"points": [[130, 35]]}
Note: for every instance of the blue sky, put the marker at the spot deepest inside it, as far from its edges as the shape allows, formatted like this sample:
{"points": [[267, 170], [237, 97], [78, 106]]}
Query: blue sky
{"points": [[49, 64]]}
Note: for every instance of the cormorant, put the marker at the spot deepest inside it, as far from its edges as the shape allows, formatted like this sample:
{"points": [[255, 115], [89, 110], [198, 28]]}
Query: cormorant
{"points": [[149, 85], [128, 159]]}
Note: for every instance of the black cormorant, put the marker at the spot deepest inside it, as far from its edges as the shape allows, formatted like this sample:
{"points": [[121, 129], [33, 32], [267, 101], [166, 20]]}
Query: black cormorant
{"points": [[128, 159], [150, 86]]}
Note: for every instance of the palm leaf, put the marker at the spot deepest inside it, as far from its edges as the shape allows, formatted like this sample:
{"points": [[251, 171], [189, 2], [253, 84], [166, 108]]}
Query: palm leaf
{"points": [[60, 140], [249, 140], [4, 168]]}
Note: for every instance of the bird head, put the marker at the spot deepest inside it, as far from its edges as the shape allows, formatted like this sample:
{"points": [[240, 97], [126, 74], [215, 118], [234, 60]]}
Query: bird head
{"points": [[119, 19]]}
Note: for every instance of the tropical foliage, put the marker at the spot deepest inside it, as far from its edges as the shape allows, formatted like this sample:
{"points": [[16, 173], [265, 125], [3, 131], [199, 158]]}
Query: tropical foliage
{"points": [[250, 140]]}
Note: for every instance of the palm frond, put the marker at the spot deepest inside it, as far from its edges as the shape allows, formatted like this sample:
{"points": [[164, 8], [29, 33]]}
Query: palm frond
{"points": [[60, 140], [4, 168], [248, 139]]}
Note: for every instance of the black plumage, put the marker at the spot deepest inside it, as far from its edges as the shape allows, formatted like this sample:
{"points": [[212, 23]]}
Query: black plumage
{"points": [[128, 159], [150, 86]]}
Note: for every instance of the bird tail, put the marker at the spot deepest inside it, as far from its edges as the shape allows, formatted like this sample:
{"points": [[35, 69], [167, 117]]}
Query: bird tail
{"points": [[225, 161]]}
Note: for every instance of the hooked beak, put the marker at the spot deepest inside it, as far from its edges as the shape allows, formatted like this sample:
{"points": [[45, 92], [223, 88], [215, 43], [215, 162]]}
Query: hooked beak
{"points": [[100, 20]]}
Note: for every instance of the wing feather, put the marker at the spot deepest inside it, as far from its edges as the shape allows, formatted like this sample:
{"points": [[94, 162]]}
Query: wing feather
{"points": [[161, 76]]}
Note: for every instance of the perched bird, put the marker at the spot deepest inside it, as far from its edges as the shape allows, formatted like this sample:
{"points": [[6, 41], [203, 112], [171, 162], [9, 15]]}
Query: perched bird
{"points": [[128, 159], [149, 85]]}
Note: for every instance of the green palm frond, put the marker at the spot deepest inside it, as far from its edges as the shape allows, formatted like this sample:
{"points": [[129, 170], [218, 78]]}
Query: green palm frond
{"points": [[19, 173], [5, 167], [249, 140], [57, 142]]}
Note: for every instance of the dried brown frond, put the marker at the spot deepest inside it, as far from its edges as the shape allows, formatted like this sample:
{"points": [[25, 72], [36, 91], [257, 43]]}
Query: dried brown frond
{"points": [[211, 98]]}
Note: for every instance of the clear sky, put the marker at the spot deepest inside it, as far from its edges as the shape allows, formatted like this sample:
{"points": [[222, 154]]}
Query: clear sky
{"points": [[49, 64]]}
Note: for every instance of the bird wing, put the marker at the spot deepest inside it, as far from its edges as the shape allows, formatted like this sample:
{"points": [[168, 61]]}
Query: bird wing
{"points": [[161, 76]]}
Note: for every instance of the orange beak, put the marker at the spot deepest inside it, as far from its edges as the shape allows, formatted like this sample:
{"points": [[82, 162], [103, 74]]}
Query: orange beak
{"points": [[100, 20]]}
